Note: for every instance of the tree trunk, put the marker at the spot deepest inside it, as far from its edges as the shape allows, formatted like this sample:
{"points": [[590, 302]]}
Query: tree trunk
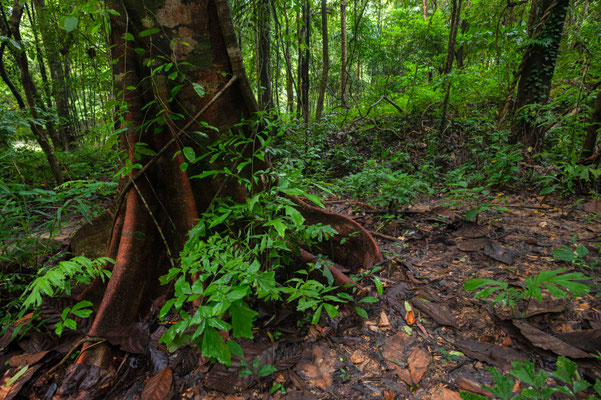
{"points": [[590, 141], [52, 45], [152, 223], [455, 15], [343, 55], [326, 60], [304, 64], [264, 57], [536, 70], [31, 93], [425, 9], [289, 76]]}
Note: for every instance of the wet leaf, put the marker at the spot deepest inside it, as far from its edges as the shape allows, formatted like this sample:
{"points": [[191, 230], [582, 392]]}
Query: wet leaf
{"points": [[548, 342], [159, 386]]}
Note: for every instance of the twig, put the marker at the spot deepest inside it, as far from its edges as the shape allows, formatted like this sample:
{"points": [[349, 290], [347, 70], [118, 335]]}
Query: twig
{"points": [[383, 236], [85, 339]]}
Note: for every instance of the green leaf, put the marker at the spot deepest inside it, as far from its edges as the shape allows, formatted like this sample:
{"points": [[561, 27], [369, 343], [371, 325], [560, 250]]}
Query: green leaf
{"points": [[266, 370], [189, 153], [361, 312], [242, 319], [149, 32], [295, 215], [331, 310], [17, 375], [70, 23], [128, 36], [379, 286], [369, 299], [317, 315], [213, 346], [235, 348], [199, 89]]}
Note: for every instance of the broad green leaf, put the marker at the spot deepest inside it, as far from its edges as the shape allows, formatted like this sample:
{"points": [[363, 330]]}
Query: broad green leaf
{"points": [[242, 319], [213, 346], [70, 23]]}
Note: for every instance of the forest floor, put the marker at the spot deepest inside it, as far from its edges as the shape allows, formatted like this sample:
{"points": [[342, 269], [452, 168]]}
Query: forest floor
{"points": [[427, 337]]}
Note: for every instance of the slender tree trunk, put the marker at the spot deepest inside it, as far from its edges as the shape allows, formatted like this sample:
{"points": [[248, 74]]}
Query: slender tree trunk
{"points": [[325, 60], [52, 45], [304, 65], [264, 56], [343, 55], [31, 93], [425, 9], [455, 15], [289, 76], [536, 70]]}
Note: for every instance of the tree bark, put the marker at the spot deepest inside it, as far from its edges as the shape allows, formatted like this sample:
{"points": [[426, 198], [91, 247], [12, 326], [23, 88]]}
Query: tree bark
{"points": [[52, 44], [455, 15], [264, 56], [536, 69], [325, 58], [31, 93], [304, 64], [343, 56], [590, 141], [161, 203]]}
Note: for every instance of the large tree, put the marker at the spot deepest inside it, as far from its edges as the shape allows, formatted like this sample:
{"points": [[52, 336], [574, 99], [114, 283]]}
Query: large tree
{"points": [[534, 75], [162, 113]]}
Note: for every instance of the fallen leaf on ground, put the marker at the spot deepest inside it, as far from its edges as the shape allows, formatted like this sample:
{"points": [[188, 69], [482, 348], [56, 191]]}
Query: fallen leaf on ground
{"points": [[500, 253], [593, 207], [27, 359], [9, 392], [472, 244], [472, 386], [588, 340], [498, 356], [320, 371], [441, 313], [159, 386], [548, 342], [546, 306]]}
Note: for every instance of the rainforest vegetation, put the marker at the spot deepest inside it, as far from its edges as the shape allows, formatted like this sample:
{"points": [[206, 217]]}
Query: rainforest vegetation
{"points": [[235, 199]]}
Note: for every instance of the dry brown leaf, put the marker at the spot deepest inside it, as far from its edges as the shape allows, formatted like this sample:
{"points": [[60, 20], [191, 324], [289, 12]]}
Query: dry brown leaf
{"points": [[27, 359], [10, 392], [593, 207], [159, 386], [410, 318], [440, 313], [388, 394], [548, 342], [320, 371], [500, 357], [472, 386], [418, 361]]}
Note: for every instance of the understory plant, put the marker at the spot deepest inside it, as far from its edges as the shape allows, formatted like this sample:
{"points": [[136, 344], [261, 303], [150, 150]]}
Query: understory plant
{"points": [[568, 383], [558, 283], [243, 254]]}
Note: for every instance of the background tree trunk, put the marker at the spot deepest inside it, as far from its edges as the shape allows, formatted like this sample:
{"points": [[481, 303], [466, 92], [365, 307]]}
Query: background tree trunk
{"points": [[590, 141], [326, 60], [31, 93], [535, 72], [343, 56], [455, 16], [264, 57]]}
